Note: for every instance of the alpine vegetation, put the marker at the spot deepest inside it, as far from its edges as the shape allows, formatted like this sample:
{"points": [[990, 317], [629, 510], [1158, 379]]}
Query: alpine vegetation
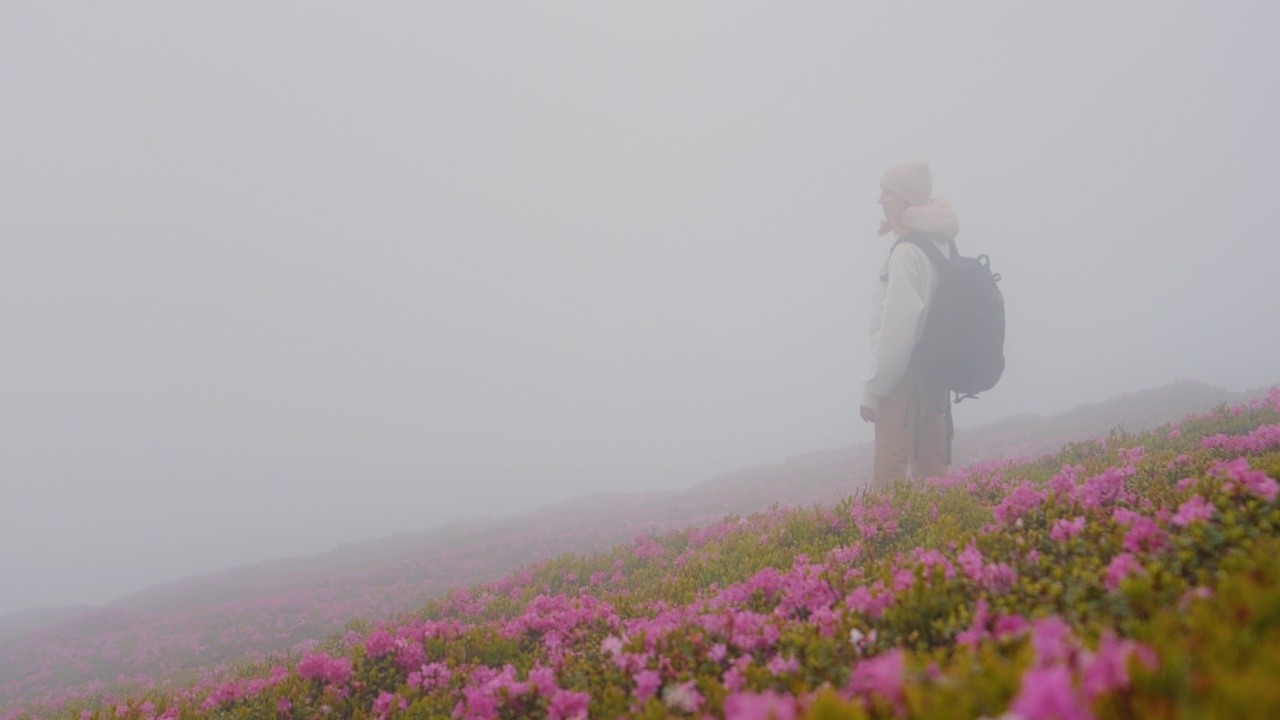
{"points": [[1136, 576]]}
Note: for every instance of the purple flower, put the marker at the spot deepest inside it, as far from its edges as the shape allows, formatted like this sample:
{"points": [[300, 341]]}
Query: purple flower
{"points": [[647, 683], [1107, 669], [1064, 530], [1190, 511], [378, 643], [319, 666], [1018, 503], [1120, 567], [1051, 640], [568, 705], [1047, 694], [769, 705], [880, 675]]}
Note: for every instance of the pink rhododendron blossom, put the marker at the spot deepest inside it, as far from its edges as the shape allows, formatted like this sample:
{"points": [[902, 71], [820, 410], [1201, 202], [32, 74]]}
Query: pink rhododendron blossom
{"points": [[780, 666], [1051, 640], [611, 646], [1120, 567], [733, 679], [1009, 626], [903, 579], [1064, 530], [881, 675], [319, 666], [385, 701], [978, 628], [542, 680], [1063, 484], [769, 705], [1190, 511], [1256, 482], [1047, 694], [1130, 456], [647, 683], [970, 562], [1144, 534], [1102, 488], [378, 643], [434, 675], [475, 705], [568, 705], [1107, 669], [1124, 516], [1018, 503], [931, 559], [845, 555]]}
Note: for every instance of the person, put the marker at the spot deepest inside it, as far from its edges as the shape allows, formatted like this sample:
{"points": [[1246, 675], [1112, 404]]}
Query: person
{"points": [[910, 413]]}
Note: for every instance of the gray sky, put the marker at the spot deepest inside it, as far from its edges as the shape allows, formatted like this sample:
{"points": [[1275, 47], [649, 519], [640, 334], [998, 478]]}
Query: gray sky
{"points": [[275, 276]]}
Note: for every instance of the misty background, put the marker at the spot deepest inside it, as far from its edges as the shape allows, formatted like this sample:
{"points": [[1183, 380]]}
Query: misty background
{"points": [[279, 276]]}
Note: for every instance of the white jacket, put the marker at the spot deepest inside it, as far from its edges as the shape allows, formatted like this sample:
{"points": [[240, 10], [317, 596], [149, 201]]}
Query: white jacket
{"points": [[907, 282]]}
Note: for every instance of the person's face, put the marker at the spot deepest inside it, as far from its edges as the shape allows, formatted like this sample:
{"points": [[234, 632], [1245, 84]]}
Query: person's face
{"points": [[893, 205]]}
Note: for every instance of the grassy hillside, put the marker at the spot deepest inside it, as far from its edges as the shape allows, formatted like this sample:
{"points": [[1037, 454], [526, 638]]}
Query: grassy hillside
{"points": [[681, 572]]}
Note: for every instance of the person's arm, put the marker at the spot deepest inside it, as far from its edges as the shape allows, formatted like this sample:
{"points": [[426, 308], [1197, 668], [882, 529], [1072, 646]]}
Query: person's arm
{"points": [[904, 303]]}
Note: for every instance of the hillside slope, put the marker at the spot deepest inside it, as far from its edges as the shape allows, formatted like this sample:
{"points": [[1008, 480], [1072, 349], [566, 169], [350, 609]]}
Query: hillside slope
{"points": [[191, 626]]}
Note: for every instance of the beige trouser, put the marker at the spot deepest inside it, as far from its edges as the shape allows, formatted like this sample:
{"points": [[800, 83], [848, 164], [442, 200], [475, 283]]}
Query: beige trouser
{"points": [[911, 432]]}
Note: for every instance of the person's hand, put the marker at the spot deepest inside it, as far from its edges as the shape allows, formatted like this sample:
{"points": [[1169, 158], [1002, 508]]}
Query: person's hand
{"points": [[868, 414]]}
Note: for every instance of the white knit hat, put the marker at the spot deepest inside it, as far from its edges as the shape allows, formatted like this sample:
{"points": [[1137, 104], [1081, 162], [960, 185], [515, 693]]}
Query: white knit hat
{"points": [[911, 180]]}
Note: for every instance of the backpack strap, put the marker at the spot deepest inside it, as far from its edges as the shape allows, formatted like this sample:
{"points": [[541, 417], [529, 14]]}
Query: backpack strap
{"points": [[923, 242]]}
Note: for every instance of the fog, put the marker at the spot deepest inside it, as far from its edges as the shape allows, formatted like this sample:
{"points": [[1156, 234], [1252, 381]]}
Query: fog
{"points": [[279, 276]]}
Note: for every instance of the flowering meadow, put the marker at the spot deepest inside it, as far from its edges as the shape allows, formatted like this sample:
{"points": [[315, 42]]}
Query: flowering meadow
{"points": [[1128, 577], [198, 628]]}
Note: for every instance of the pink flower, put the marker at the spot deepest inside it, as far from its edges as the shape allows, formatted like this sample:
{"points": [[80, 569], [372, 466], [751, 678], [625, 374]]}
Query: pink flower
{"points": [[1064, 530], [1144, 534], [978, 628], [385, 701], [1257, 482], [779, 666], [769, 705], [1107, 669], [611, 646], [1120, 567], [1190, 511], [568, 705], [475, 705], [1018, 503], [1064, 483], [319, 666], [903, 579], [881, 675], [1047, 694], [1051, 640], [647, 683], [1102, 488], [378, 643]]}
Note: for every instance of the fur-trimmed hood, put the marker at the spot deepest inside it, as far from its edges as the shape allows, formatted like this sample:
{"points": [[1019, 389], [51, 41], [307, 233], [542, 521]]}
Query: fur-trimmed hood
{"points": [[936, 217]]}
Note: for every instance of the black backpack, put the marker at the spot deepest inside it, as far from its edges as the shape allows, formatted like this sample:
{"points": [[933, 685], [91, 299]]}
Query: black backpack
{"points": [[962, 345]]}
